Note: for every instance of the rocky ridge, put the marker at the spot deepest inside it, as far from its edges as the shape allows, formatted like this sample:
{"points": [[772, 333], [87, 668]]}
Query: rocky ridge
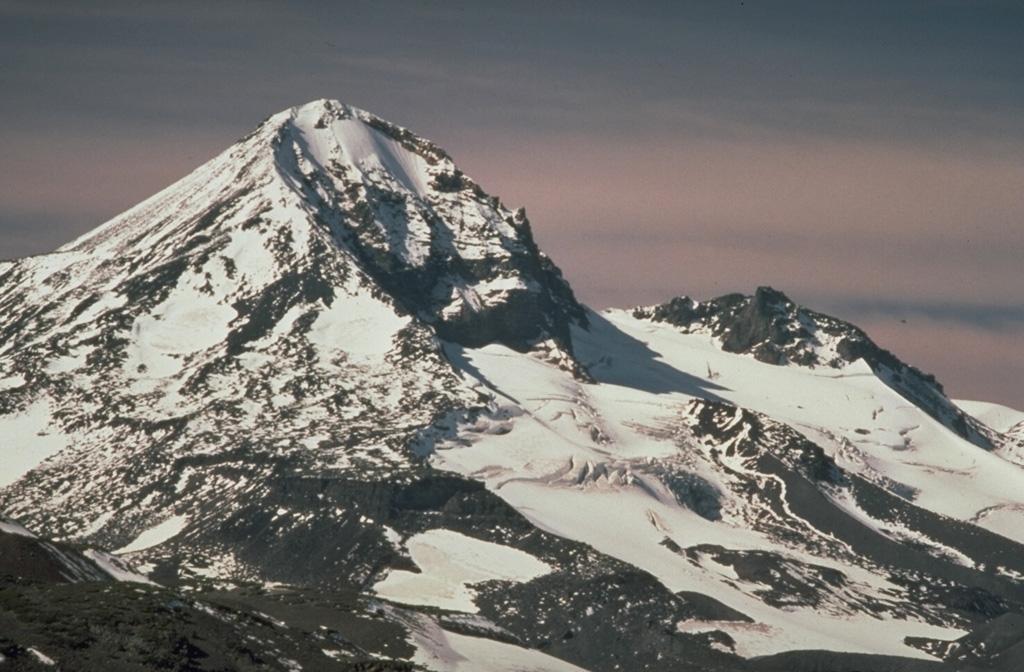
{"points": [[774, 330]]}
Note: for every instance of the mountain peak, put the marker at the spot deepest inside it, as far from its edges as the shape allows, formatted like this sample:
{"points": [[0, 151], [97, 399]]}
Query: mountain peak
{"points": [[430, 236], [331, 134], [300, 282], [775, 330], [336, 137], [326, 178]]}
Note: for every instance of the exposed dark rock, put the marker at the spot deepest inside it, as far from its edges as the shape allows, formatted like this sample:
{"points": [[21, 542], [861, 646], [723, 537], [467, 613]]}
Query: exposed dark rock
{"points": [[692, 491], [133, 628], [748, 434], [46, 561], [832, 661], [609, 621], [995, 645], [775, 330], [700, 607], [784, 585]]}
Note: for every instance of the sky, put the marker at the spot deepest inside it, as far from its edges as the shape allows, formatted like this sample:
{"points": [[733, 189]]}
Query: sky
{"points": [[866, 158]]}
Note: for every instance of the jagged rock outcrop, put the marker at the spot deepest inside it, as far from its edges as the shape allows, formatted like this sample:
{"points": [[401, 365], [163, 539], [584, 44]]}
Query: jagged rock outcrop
{"points": [[774, 330]]}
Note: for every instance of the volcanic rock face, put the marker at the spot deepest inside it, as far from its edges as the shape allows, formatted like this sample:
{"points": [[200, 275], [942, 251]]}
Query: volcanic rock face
{"points": [[774, 330], [283, 302], [329, 379]]}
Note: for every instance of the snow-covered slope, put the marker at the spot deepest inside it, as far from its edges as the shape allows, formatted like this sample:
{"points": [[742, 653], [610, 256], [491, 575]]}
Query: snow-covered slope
{"points": [[814, 500], [328, 359], [275, 311], [774, 330]]}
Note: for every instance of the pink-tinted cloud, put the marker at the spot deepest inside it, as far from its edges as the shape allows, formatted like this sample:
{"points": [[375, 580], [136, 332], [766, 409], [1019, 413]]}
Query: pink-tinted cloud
{"points": [[847, 218], [58, 184], [634, 220], [828, 222], [971, 362]]}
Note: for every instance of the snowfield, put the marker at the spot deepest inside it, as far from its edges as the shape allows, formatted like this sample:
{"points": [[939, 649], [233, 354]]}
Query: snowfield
{"points": [[449, 563], [574, 458], [156, 535]]}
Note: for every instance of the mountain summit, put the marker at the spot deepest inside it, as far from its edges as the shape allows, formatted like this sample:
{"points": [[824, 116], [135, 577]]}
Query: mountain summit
{"points": [[326, 178], [331, 397]]}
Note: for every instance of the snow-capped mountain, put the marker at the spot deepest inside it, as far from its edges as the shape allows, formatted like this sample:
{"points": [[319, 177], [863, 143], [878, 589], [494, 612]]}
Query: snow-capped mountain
{"points": [[328, 360]]}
